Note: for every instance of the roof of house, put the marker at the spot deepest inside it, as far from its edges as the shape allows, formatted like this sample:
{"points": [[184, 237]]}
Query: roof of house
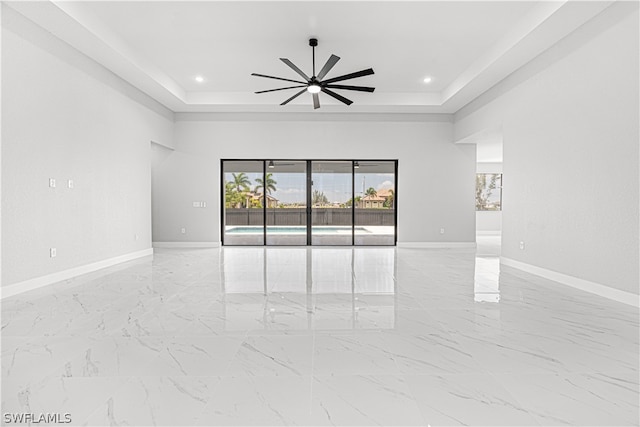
{"points": [[381, 195], [259, 196], [373, 198]]}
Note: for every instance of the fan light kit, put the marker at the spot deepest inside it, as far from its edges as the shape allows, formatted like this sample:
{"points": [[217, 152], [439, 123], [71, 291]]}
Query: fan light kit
{"points": [[314, 88], [314, 84]]}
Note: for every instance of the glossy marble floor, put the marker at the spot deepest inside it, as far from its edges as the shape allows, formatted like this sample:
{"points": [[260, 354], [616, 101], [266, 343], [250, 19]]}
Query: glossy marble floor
{"points": [[322, 336]]}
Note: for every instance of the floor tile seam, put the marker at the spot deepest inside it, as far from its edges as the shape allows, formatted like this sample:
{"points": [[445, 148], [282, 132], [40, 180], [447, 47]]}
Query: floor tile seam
{"points": [[246, 375], [370, 374]]}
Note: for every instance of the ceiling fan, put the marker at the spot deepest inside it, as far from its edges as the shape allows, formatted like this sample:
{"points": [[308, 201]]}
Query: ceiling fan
{"points": [[315, 84]]}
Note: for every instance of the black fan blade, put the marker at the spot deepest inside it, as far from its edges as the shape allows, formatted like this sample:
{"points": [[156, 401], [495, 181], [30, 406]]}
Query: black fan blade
{"points": [[358, 88], [316, 101], [294, 96], [281, 88], [278, 78], [357, 74], [296, 69], [333, 59], [336, 96]]}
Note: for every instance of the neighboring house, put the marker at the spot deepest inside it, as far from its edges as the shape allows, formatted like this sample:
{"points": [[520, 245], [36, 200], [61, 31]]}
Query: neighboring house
{"points": [[375, 202], [272, 202], [385, 193], [371, 202]]}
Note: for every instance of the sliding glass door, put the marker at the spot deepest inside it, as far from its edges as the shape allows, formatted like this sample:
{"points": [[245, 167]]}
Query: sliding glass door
{"points": [[243, 219], [331, 212], [375, 209], [285, 189], [309, 202]]}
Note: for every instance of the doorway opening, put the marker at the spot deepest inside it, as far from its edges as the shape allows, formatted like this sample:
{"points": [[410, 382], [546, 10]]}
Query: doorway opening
{"points": [[309, 202]]}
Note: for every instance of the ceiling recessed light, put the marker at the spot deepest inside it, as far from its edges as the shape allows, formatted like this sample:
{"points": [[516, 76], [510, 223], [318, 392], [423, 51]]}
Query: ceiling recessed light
{"points": [[199, 79], [427, 79]]}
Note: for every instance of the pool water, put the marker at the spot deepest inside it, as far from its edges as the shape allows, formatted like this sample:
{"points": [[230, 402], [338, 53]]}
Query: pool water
{"points": [[293, 230]]}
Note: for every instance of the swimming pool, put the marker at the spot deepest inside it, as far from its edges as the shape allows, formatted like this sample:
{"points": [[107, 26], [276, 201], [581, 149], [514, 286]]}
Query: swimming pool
{"points": [[294, 230]]}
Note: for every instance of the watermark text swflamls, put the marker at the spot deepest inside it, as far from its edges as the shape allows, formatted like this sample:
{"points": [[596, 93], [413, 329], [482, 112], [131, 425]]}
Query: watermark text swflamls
{"points": [[31, 418]]}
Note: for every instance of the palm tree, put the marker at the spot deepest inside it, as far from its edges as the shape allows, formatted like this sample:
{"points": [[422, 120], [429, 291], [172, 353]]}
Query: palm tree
{"points": [[241, 182], [319, 198], [371, 192], [270, 184], [232, 198]]}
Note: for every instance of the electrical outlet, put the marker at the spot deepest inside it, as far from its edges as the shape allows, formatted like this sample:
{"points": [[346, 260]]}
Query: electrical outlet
{"points": [[70, 183], [521, 246], [183, 230], [135, 236], [52, 252], [442, 231], [52, 182]]}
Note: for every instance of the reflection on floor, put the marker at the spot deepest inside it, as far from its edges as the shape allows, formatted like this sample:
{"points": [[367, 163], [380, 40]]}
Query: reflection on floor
{"points": [[363, 235], [319, 336]]}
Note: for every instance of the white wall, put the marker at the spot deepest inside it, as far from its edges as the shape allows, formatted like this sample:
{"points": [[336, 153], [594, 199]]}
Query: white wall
{"points": [[488, 222], [66, 117], [570, 132], [436, 177]]}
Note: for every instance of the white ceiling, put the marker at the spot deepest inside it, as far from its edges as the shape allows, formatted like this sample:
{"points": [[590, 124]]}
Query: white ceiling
{"points": [[159, 47]]}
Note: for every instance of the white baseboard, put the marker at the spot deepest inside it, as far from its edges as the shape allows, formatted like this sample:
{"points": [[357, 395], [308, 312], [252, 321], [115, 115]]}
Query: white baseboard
{"points": [[186, 244], [575, 282], [437, 245], [489, 233], [49, 279]]}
